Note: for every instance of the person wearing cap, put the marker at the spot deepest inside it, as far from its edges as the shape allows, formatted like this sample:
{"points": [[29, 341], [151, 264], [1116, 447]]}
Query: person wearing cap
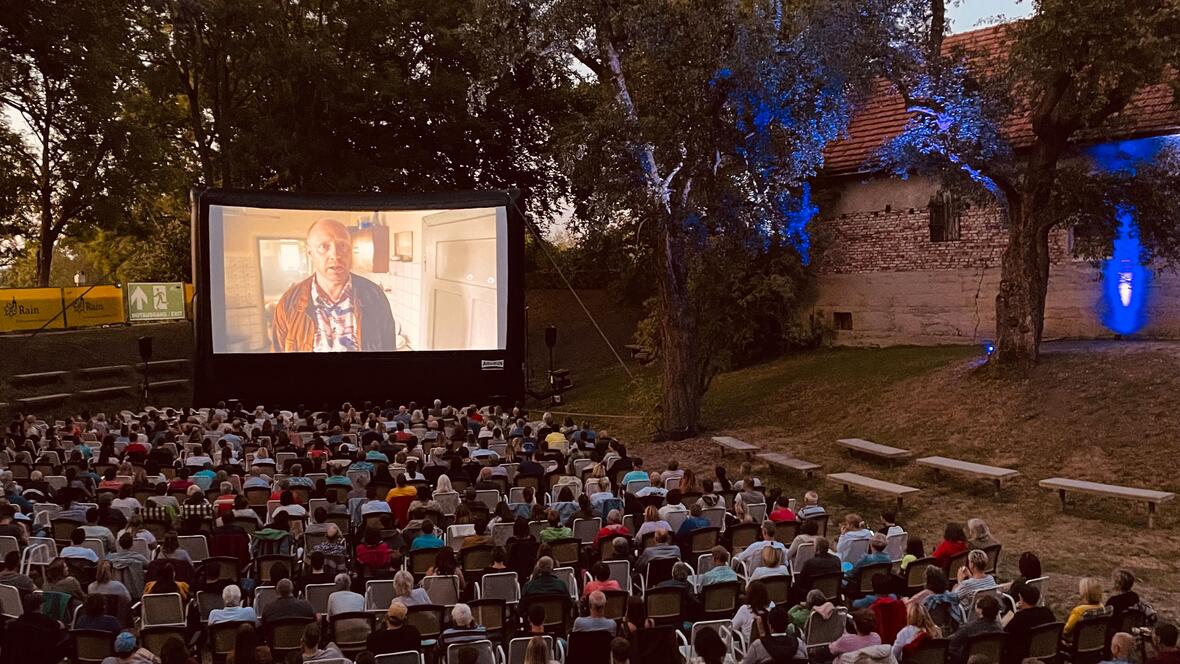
{"points": [[128, 651], [397, 635]]}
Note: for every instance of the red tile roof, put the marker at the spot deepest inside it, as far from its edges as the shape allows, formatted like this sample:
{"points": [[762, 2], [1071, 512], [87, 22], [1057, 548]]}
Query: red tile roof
{"points": [[882, 115]]}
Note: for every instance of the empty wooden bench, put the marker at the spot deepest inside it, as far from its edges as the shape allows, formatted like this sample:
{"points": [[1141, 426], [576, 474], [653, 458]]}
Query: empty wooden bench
{"points": [[730, 443], [1063, 486], [789, 462], [993, 473], [42, 376], [874, 449], [898, 491]]}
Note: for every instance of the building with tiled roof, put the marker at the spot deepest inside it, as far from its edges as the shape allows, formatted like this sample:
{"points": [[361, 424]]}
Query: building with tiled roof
{"points": [[902, 261]]}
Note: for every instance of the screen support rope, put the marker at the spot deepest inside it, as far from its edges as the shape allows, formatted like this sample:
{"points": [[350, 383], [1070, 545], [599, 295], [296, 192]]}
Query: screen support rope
{"points": [[544, 244]]}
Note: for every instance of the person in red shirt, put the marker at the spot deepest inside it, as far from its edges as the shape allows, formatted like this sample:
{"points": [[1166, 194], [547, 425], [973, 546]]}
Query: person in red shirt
{"points": [[954, 542], [602, 580], [782, 510], [614, 527]]}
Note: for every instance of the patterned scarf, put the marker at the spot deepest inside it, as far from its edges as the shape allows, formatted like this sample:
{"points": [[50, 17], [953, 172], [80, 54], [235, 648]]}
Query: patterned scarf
{"points": [[335, 328]]}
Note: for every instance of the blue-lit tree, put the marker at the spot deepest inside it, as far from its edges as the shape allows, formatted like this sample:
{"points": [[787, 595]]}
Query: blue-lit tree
{"points": [[1070, 70], [700, 123]]}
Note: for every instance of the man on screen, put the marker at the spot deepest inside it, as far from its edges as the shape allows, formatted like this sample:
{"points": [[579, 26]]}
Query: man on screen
{"points": [[333, 310]]}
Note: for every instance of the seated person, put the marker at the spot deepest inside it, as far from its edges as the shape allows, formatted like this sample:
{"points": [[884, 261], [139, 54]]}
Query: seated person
{"points": [[661, 548], [233, 611], [987, 609], [721, 572], [974, 577], [1090, 590], [1163, 648], [463, 628], [601, 580], [779, 645], [597, 620], [771, 564], [94, 616], [76, 550], [866, 624], [1021, 623], [397, 635], [876, 555]]}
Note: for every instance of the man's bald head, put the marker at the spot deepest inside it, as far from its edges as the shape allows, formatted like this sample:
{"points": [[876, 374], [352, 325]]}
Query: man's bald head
{"points": [[330, 246]]}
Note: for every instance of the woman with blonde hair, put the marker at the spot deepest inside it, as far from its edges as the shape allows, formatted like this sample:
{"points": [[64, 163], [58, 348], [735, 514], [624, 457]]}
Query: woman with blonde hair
{"points": [[651, 523], [1090, 590], [443, 485], [978, 535], [919, 626], [105, 582]]}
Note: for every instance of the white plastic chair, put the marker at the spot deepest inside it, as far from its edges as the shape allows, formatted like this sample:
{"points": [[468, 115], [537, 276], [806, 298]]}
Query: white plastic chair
{"points": [[501, 585], [442, 590], [896, 544]]}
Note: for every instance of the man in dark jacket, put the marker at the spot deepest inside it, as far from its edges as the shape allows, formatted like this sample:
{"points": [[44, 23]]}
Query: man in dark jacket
{"points": [[333, 309], [1028, 615], [33, 638], [822, 563]]}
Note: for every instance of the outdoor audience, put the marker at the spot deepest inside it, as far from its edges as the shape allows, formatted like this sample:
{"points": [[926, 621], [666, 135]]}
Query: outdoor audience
{"points": [[258, 510]]}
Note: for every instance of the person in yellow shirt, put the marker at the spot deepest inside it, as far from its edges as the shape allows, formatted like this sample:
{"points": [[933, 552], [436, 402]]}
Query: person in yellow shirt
{"points": [[556, 440], [1090, 590], [402, 488]]}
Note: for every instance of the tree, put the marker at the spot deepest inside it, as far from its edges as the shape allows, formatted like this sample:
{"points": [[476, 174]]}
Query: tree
{"points": [[698, 124], [1070, 70], [66, 70], [354, 95]]}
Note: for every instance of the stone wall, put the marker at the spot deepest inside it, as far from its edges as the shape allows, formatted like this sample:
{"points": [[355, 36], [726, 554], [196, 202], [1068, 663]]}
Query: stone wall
{"points": [[876, 262]]}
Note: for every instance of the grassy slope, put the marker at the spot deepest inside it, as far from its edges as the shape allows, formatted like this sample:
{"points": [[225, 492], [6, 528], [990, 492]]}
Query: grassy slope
{"points": [[1102, 412]]}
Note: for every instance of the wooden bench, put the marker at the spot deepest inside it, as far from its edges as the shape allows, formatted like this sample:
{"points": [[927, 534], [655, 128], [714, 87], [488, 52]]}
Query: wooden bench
{"points": [[43, 399], [164, 365], [789, 462], [176, 382], [110, 369], [106, 391], [898, 491], [993, 473], [37, 377], [875, 449], [730, 443], [1062, 486]]}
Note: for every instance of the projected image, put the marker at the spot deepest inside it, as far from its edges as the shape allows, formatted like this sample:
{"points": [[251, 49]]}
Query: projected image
{"points": [[315, 281]]}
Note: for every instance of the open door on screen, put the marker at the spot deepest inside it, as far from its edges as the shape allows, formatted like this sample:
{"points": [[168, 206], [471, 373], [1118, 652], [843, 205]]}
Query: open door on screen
{"points": [[461, 280]]}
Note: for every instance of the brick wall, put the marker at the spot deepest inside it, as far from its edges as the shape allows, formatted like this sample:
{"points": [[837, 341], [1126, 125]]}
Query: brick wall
{"points": [[893, 240]]}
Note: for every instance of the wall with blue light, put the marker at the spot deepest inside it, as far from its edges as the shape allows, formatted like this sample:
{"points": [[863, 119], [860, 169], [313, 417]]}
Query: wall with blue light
{"points": [[878, 264]]}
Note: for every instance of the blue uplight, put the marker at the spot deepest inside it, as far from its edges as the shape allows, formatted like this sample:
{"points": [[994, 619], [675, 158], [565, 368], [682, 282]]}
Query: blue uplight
{"points": [[1125, 280], [1124, 277]]}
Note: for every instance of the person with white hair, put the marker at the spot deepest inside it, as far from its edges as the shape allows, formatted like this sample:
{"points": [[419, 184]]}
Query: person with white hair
{"points": [[231, 597], [405, 592], [343, 600], [463, 628]]}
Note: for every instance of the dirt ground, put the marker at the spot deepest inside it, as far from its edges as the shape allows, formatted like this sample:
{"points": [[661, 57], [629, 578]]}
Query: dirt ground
{"points": [[1100, 411]]}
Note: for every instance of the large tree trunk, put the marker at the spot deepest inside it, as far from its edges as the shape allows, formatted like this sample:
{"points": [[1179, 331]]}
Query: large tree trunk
{"points": [[1024, 268], [682, 388]]}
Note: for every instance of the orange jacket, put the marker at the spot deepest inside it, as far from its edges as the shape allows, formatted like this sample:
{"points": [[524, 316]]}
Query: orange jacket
{"points": [[294, 318]]}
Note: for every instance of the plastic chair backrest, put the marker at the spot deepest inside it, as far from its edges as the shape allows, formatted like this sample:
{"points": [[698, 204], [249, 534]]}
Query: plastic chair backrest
{"points": [[487, 654], [587, 529], [442, 590], [317, 595], [819, 630], [379, 594], [518, 646], [757, 511], [405, 657], [501, 585], [427, 618], [895, 545], [1044, 641], [162, 609]]}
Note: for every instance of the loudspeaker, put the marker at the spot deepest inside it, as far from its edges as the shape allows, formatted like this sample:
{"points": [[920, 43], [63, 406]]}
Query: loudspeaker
{"points": [[145, 348], [550, 335]]}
